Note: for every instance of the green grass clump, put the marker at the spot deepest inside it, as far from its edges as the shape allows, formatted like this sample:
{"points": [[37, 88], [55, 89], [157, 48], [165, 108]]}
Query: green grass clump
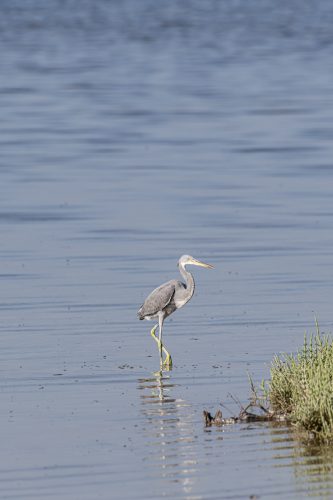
{"points": [[301, 386]]}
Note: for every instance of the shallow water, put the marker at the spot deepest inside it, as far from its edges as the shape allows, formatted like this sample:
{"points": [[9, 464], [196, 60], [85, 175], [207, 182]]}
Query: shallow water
{"points": [[132, 133]]}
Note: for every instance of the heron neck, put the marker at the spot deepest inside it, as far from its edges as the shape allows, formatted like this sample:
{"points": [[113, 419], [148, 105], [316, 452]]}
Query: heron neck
{"points": [[189, 280]]}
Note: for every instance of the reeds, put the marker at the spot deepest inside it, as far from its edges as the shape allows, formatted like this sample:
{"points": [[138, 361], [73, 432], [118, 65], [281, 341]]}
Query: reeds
{"points": [[301, 386]]}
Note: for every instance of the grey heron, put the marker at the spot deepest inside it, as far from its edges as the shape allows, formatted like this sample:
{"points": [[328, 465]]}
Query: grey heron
{"points": [[166, 299]]}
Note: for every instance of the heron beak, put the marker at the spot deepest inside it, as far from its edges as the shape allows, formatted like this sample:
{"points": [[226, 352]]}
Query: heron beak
{"points": [[201, 264]]}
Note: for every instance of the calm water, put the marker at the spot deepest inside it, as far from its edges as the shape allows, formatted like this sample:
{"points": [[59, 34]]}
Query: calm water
{"points": [[131, 133]]}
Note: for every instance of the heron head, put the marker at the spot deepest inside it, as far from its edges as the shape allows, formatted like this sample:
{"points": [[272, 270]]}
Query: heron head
{"points": [[188, 259]]}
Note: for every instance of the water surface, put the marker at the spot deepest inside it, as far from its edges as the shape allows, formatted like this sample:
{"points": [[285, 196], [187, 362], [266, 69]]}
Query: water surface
{"points": [[132, 133]]}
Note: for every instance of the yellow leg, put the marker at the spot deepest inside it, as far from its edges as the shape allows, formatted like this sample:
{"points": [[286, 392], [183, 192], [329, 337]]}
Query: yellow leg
{"points": [[152, 333], [167, 363]]}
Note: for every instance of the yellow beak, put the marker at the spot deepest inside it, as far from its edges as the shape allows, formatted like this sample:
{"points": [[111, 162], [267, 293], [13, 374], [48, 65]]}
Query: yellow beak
{"points": [[196, 262]]}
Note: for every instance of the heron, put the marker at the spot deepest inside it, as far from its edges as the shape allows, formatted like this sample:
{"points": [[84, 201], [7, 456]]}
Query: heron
{"points": [[166, 299]]}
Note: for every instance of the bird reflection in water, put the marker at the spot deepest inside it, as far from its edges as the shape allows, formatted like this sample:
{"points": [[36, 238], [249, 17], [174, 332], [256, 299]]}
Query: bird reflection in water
{"points": [[171, 442]]}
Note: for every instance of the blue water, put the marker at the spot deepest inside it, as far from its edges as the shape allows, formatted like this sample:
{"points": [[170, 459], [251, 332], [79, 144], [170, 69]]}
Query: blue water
{"points": [[131, 133]]}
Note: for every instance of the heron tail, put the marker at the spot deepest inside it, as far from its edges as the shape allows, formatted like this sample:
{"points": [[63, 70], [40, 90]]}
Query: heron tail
{"points": [[140, 315]]}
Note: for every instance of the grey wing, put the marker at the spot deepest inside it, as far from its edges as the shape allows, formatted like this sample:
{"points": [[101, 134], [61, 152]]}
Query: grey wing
{"points": [[158, 299]]}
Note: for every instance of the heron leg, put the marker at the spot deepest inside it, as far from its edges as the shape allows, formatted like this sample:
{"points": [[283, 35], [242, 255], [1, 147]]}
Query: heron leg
{"points": [[160, 324], [167, 363], [152, 333], [168, 360]]}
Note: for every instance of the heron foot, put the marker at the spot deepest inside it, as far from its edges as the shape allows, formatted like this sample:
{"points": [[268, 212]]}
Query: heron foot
{"points": [[167, 363]]}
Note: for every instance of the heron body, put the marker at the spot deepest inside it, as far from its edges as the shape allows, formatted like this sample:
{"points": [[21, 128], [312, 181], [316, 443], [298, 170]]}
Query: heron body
{"points": [[167, 298]]}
